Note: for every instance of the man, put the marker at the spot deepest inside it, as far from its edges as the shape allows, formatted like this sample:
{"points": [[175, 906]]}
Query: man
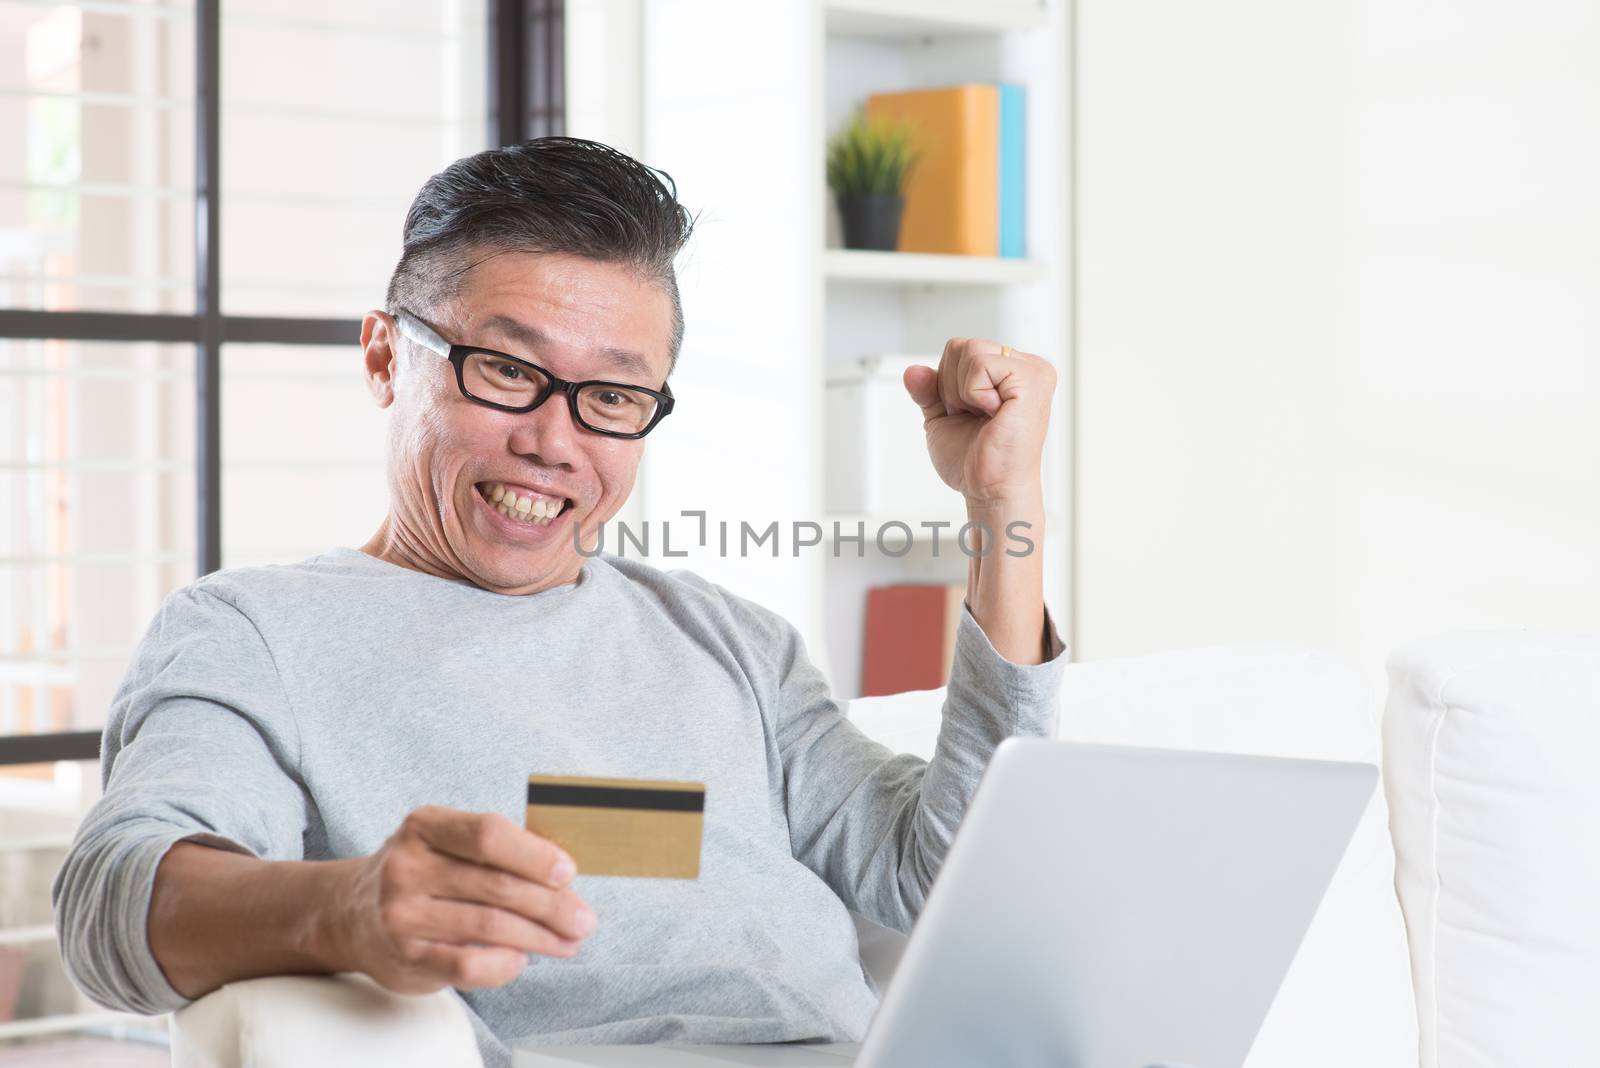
{"points": [[322, 767]]}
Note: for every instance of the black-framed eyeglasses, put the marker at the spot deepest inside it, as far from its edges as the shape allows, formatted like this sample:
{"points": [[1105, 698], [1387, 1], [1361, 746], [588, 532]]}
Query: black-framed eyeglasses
{"points": [[512, 384]]}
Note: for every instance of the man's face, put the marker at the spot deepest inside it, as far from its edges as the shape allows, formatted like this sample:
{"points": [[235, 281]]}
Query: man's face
{"points": [[449, 458]]}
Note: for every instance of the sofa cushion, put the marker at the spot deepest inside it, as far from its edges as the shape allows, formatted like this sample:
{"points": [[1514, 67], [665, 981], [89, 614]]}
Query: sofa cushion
{"points": [[1347, 997], [286, 1021], [1492, 742]]}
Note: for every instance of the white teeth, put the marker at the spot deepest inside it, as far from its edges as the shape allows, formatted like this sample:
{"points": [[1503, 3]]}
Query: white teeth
{"points": [[525, 509]]}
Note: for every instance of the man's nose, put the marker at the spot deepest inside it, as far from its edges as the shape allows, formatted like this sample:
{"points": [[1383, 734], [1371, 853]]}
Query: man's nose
{"points": [[547, 435]]}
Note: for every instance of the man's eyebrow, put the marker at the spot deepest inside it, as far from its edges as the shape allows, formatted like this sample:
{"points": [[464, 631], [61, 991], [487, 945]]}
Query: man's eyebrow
{"points": [[527, 334]]}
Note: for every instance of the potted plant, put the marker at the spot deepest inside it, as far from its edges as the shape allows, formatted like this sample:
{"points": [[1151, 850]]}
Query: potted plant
{"points": [[869, 162]]}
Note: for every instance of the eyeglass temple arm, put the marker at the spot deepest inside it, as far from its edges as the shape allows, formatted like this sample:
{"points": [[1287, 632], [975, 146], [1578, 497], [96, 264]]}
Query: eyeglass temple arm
{"points": [[416, 330]]}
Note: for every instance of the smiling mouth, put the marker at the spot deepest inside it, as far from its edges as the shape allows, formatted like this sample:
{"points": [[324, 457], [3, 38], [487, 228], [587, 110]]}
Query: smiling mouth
{"points": [[522, 505]]}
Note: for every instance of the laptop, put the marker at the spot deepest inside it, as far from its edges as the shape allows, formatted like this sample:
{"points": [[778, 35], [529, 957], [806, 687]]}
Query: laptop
{"points": [[1100, 907]]}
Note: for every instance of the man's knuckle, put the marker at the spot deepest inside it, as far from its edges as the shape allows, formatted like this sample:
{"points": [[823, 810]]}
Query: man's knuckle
{"points": [[553, 906], [463, 969], [414, 952], [502, 888], [486, 925], [485, 833], [396, 916], [397, 874]]}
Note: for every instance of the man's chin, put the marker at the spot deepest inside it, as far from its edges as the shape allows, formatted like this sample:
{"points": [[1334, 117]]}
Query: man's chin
{"points": [[504, 569]]}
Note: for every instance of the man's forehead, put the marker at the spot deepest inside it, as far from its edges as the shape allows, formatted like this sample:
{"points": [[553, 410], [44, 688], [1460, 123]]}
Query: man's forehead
{"points": [[508, 297], [523, 334]]}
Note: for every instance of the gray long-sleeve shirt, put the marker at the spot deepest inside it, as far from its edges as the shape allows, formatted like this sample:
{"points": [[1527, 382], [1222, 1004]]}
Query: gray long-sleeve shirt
{"points": [[301, 711]]}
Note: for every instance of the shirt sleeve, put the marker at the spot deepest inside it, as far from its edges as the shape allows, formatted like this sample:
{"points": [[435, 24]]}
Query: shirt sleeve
{"points": [[200, 744], [874, 824]]}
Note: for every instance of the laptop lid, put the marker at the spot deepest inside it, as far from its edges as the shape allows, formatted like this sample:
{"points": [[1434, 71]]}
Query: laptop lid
{"points": [[1111, 907]]}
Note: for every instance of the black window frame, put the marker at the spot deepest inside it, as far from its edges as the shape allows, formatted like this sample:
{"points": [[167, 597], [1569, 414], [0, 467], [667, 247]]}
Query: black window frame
{"points": [[526, 99]]}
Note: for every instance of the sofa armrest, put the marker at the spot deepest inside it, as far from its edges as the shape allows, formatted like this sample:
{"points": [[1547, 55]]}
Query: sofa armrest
{"points": [[1491, 741], [295, 1021]]}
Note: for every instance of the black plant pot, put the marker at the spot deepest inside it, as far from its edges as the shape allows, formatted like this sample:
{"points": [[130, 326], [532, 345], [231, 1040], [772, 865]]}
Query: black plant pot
{"points": [[871, 221]]}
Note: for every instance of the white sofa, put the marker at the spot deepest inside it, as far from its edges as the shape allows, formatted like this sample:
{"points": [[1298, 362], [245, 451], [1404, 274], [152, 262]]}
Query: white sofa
{"points": [[1491, 760], [1493, 744]]}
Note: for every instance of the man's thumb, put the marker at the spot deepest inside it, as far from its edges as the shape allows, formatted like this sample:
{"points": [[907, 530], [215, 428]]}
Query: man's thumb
{"points": [[923, 385]]}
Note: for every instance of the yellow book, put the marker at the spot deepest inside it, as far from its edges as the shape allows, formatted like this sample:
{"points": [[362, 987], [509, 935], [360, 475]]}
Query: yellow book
{"points": [[952, 198]]}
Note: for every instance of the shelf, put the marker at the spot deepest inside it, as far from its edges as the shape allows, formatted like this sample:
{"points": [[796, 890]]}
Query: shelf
{"points": [[22, 936], [27, 843], [916, 268], [917, 18], [76, 1021]]}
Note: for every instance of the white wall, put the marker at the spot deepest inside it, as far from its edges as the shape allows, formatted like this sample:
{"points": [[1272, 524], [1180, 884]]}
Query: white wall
{"points": [[727, 117], [605, 71], [1337, 352]]}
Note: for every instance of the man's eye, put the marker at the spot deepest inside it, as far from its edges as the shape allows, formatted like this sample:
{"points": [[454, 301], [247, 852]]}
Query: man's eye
{"points": [[510, 371], [611, 398]]}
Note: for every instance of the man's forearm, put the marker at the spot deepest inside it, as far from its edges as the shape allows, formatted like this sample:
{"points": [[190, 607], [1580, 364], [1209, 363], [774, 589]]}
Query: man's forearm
{"points": [[1006, 592], [218, 916]]}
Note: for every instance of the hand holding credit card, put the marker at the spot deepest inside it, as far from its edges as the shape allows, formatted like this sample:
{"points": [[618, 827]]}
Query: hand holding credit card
{"points": [[636, 827]]}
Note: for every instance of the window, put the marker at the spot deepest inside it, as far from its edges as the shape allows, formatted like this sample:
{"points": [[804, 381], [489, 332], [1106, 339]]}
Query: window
{"points": [[187, 241]]}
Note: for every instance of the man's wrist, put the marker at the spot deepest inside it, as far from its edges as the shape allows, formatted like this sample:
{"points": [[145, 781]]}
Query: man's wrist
{"points": [[1023, 501], [217, 916], [327, 940], [1005, 574]]}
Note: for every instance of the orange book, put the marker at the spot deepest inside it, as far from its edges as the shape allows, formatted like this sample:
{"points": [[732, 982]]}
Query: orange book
{"points": [[910, 637], [953, 195]]}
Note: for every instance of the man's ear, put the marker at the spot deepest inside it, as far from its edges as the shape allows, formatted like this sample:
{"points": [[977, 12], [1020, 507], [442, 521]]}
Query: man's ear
{"points": [[380, 355]]}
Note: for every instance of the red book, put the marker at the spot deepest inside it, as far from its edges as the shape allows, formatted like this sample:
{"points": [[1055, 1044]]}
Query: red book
{"points": [[910, 637]]}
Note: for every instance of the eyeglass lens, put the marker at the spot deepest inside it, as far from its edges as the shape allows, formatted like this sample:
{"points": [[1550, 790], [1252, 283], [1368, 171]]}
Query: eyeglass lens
{"points": [[616, 409]]}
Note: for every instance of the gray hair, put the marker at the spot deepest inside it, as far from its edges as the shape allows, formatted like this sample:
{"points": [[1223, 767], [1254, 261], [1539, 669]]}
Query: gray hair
{"points": [[550, 194]]}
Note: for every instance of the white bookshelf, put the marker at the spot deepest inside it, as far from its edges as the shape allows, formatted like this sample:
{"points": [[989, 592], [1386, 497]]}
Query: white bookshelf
{"points": [[897, 19], [738, 100], [914, 268], [885, 302]]}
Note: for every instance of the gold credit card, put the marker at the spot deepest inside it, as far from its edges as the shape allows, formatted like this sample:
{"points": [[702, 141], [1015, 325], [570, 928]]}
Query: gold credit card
{"points": [[638, 827]]}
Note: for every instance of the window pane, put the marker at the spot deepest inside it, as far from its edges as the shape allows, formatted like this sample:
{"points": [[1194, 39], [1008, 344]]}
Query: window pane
{"points": [[302, 453], [319, 168], [97, 156], [96, 527], [96, 518]]}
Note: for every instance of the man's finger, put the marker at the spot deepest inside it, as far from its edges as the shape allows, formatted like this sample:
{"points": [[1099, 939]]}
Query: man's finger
{"points": [[980, 383], [952, 366], [974, 376], [463, 924], [492, 840], [471, 967], [558, 910], [923, 385]]}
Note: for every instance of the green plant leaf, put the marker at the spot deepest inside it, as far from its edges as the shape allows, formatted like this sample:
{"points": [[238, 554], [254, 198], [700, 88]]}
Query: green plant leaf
{"points": [[872, 156]]}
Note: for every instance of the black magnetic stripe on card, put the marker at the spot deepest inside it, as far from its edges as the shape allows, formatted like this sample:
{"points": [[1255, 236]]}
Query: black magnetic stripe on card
{"points": [[617, 797]]}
